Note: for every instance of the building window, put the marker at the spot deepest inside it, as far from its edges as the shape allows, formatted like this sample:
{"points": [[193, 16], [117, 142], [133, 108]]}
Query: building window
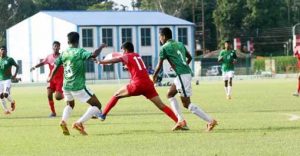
{"points": [[42, 68], [20, 66], [126, 35], [145, 36], [147, 61], [182, 35], [87, 38], [108, 68], [89, 67], [107, 36]]}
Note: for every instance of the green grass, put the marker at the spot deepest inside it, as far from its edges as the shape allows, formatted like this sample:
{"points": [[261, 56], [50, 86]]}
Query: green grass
{"points": [[254, 122]]}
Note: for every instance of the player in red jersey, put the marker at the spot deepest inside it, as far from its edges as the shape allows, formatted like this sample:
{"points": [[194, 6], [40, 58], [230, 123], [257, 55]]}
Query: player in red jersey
{"points": [[55, 85], [297, 55], [140, 83]]}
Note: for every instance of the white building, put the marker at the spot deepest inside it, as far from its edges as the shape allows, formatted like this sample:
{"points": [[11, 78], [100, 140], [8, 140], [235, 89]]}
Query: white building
{"points": [[31, 40]]}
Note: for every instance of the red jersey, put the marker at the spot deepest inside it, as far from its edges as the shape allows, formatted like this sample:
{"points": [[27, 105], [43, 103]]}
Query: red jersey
{"points": [[136, 67], [297, 54], [50, 60]]}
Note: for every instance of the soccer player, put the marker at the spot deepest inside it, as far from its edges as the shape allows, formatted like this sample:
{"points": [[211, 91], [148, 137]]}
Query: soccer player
{"points": [[55, 85], [176, 54], [5, 79], [73, 60], [228, 58], [140, 83], [297, 55]]}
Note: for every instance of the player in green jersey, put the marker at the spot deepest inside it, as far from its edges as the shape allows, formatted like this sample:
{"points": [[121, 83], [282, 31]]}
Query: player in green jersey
{"points": [[228, 58], [6, 77], [179, 59], [73, 60]]}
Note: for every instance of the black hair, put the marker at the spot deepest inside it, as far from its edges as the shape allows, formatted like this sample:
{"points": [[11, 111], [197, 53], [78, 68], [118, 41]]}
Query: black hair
{"points": [[128, 46], [73, 37], [56, 42], [3, 47], [167, 32]]}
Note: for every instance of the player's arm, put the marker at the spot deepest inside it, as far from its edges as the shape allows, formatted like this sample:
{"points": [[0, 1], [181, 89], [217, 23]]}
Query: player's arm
{"points": [[157, 69], [98, 51], [189, 57], [16, 72], [234, 58], [37, 66], [58, 62], [110, 61]]}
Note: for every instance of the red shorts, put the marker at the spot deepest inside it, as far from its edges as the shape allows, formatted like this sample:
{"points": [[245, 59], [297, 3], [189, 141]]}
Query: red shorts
{"points": [[146, 88], [55, 86]]}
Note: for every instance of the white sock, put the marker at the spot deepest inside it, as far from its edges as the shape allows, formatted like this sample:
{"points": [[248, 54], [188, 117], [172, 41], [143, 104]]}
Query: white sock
{"points": [[199, 112], [229, 90], [66, 113], [93, 110], [9, 98], [176, 109], [226, 90], [4, 105]]}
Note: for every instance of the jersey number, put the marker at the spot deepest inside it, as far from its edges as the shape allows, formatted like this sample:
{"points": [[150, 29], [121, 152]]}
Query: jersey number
{"points": [[138, 63]]}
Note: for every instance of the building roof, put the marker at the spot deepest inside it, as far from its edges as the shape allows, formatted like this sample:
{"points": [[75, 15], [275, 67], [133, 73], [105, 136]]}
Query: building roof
{"points": [[117, 18]]}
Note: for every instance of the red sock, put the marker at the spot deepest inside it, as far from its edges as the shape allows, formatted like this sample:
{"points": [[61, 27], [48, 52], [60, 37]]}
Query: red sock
{"points": [[51, 104], [170, 113], [112, 102]]}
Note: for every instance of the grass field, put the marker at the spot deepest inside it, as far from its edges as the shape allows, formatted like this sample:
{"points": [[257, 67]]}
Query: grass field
{"points": [[255, 122]]}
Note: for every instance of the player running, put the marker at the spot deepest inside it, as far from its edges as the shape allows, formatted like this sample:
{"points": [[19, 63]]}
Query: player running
{"points": [[228, 58], [73, 60], [55, 85], [176, 54], [297, 55], [140, 83], [5, 79]]}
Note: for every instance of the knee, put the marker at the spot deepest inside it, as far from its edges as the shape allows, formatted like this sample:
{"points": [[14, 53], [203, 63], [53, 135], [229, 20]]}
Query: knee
{"points": [[1, 96], [72, 105], [226, 83]]}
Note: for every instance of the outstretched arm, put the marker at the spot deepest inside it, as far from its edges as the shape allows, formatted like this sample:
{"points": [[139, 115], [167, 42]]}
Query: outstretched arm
{"points": [[110, 61], [16, 72], [36, 66], [52, 73], [157, 69], [98, 50], [189, 57]]}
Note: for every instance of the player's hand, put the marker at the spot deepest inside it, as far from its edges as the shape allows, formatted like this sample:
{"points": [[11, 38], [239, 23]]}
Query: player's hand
{"points": [[49, 79], [154, 79], [32, 69]]}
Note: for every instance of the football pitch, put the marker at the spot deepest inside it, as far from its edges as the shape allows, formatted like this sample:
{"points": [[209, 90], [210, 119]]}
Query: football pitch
{"points": [[263, 118]]}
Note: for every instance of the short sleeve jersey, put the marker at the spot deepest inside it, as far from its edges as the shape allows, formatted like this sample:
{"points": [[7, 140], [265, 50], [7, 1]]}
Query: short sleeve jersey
{"points": [[5, 67], [175, 53], [50, 60], [228, 58], [73, 61], [136, 67]]}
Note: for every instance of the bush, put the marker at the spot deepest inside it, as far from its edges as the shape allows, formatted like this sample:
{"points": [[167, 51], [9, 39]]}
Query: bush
{"points": [[259, 65], [283, 64]]}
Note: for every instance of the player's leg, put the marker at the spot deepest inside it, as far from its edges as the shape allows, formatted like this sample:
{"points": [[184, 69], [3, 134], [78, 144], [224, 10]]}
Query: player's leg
{"points": [[160, 105], [121, 93], [67, 111], [50, 92], [86, 95], [7, 95], [174, 103], [3, 102], [58, 90], [230, 76]]}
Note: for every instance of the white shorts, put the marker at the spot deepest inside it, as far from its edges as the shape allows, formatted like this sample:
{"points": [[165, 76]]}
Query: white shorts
{"points": [[228, 75], [5, 86], [183, 84], [82, 95]]}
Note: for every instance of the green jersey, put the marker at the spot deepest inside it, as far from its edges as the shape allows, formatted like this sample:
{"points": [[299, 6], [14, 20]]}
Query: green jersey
{"points": [[5, 67], [73, 61], [228, 57], [175, 53]]}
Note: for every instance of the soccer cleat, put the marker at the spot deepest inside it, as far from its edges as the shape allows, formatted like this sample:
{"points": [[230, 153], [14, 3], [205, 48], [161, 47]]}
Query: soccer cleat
{"points": [[210, 126], [101, 117], [7, 112], [64, 127], [13, 105], [180, 126], [228, 97], [52, 115], [296, 94], [80, 128]]}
